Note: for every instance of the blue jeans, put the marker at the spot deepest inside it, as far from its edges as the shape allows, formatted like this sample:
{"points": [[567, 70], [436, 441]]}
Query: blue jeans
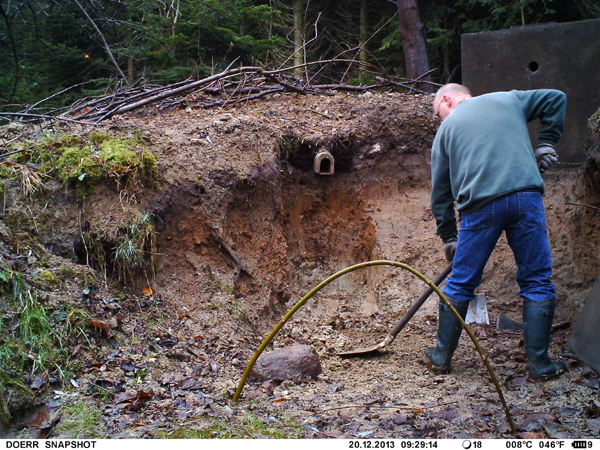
{"points": [[521, 216]]}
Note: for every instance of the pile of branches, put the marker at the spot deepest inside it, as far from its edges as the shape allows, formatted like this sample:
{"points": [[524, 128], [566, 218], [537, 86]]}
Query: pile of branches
{"points": [[233, 85]]}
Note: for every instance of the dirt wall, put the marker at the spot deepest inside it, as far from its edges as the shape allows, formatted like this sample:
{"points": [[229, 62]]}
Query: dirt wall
{"points": [[249, 196], [241, 208]]}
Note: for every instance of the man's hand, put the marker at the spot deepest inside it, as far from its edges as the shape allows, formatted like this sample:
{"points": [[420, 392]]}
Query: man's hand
{"points": [[546, 157], [450, 249]]}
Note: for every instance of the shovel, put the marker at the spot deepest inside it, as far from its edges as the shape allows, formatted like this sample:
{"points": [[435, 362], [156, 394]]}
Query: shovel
{"points": [[403, 321]]}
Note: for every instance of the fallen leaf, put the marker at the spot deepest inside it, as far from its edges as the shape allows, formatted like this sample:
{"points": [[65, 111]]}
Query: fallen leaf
{"points": [[128, 366], [102, 326], [123, 397], [38, 418], [76, 349], [40, 383], [334, 433], [42, 423], [46, 430], [53, 405], [191, 384], [144, 395]]}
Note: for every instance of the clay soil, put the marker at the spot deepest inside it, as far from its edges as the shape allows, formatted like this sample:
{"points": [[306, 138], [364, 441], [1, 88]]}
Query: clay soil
{"points": [[246, 228]]}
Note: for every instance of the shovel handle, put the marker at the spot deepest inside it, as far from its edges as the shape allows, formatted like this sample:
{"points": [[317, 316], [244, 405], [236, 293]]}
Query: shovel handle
{"points": [[417, 304]]}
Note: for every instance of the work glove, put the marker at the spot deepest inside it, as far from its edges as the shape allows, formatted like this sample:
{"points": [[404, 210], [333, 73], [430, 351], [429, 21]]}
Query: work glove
{"points": [[450, 249], [545, 156]]}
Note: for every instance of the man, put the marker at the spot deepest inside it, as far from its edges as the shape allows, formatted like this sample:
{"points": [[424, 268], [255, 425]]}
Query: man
{"points": [[483, 161]]}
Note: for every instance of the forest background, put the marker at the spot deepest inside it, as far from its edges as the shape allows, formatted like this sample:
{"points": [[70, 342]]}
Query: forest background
{"points": [[83, 48]]}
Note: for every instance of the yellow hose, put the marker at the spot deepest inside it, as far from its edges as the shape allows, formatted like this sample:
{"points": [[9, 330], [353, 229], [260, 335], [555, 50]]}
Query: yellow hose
{"points": [[325, 282]]}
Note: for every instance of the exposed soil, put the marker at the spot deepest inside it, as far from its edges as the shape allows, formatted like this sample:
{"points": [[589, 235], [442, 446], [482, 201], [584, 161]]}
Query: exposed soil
{"points": [[246, 228]]}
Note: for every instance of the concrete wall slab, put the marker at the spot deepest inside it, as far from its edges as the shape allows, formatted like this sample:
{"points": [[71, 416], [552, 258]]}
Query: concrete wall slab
{"points": [[563, 56]]}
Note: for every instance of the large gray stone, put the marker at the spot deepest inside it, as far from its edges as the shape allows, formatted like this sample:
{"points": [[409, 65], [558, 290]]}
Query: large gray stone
{"points": [[295, 363]]}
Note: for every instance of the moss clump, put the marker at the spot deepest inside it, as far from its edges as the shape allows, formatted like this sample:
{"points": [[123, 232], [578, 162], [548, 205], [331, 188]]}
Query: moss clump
{"points": [[80, 421], [83, 161], [150, 165], [46, 280], [6, 173], [126, 158], [12, 388], [66, 273], [98, 137], [79, 164], [18, 222]]}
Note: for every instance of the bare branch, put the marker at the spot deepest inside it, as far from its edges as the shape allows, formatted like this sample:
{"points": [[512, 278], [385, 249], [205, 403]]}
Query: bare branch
{"points": [[55, 95], [42, 116], [237, 85], [106, 46], [582, 204]]}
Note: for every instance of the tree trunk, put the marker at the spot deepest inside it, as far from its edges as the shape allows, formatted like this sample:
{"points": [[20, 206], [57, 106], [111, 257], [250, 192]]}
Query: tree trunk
{"points": [[364, 30], [413, 43], [130, 69], [299, 36]]}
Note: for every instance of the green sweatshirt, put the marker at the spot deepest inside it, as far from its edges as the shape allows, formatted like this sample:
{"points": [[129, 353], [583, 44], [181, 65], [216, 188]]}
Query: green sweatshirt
{"points": [[482, 151]]}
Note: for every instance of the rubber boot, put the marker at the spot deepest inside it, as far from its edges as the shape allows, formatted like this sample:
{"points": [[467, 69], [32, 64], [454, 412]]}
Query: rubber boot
{"points": [[537, 325], [439, 358]]}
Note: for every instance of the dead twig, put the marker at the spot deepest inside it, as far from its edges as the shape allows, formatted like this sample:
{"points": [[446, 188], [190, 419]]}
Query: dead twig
{"points": [[405, 85], [582, 204], [244, 99], [43, 116], [240, 84], [176, 91], [4, 155], [128, 98], [230, 252], [56, 94], [124, 105], [284, 84], [320, 113]]}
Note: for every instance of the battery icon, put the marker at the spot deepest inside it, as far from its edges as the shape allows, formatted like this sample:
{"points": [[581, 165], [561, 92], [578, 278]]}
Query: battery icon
{"points": [[579, 444]]}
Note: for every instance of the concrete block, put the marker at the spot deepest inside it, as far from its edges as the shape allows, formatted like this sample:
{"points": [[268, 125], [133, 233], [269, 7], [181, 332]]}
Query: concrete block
{"points": [[564, 56]]}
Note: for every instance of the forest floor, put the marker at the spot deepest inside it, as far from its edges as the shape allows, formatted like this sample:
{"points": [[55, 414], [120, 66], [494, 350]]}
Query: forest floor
{"points": [[244, 229]]}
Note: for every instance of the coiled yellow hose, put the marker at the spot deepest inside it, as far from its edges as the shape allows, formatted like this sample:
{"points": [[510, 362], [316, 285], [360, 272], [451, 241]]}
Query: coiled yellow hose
{"points": [[325, 282]]}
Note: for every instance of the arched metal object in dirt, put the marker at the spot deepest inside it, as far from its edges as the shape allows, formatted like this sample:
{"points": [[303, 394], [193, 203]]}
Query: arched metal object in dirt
{"points": [[325, 282]]}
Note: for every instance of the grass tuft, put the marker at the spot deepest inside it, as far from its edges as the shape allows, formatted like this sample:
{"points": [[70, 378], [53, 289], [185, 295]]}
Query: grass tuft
{"points": [[80, 421]]}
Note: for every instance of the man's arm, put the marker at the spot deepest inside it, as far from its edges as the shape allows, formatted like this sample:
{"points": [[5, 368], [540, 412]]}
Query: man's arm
{"points": [[548, 105], [442, 202]]}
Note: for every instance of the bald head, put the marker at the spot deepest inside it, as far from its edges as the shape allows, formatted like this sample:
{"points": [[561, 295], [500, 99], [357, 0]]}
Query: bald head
{"points": [[452, 88], [447, 97]]}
